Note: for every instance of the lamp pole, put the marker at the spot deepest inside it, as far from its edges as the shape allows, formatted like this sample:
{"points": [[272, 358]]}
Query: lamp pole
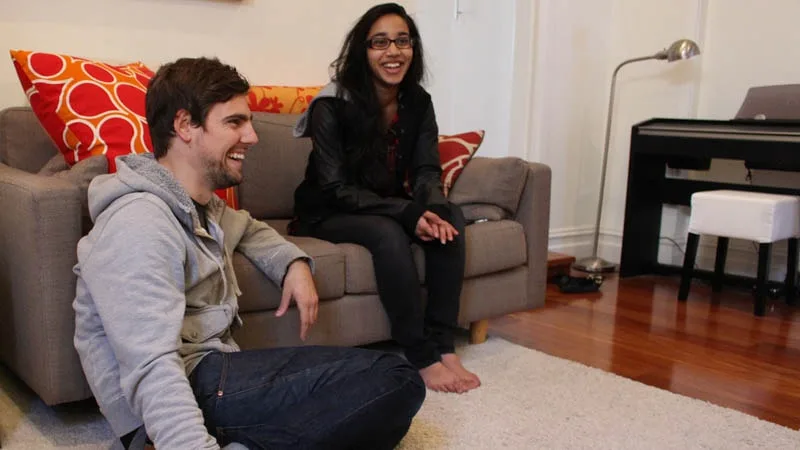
{"points": [[681, 49]]}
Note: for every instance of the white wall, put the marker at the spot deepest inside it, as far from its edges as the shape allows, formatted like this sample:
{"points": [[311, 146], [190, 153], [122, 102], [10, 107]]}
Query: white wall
{"points": [[578, 45], [281, 42], [534, 73], [648, 89], [270, 41], [747, 44], [569, 87], [579, 42], [470, 48]]}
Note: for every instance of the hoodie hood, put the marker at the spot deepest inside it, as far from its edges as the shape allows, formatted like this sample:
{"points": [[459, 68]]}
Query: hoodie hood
{"points": [[330, 90], [139, 173]]}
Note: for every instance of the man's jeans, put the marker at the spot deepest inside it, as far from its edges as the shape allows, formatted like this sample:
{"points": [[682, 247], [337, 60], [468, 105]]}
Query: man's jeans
{"points": [[308, 397]]}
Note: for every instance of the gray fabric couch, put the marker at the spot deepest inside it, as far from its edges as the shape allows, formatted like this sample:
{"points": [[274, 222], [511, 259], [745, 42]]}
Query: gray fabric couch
{"points": [[42, 218]]}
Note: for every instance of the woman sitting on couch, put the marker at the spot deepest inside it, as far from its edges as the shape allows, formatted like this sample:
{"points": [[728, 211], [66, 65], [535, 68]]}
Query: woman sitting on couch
{"points": [[374, 179]]}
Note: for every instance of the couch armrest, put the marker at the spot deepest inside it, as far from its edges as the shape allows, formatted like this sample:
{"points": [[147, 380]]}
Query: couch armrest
{"points": [[534, 215], [518, 190], [40, 226]]}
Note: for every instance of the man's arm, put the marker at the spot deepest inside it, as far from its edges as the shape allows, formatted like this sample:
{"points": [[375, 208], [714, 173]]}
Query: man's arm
{"points": [[299, 285], [261, 244], [283, 262], [134, 271], [99, 362]]}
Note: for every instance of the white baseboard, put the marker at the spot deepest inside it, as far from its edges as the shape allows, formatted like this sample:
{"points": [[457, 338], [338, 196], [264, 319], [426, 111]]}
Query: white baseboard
{"points": [[572, 241], [742, 255]]}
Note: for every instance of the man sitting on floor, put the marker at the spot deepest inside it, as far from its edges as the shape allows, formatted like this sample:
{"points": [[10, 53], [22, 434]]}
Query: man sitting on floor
{"points": [[157, 297]]}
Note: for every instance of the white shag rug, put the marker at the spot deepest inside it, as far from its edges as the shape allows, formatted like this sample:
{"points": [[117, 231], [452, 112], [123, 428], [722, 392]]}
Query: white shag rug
{"points": [[528, 400]]}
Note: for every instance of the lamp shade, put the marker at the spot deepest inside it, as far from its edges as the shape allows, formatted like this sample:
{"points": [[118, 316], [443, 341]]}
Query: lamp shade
{"points": [[680, 49]]}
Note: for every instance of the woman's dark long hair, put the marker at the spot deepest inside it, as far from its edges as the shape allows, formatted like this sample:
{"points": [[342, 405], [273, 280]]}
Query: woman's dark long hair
{"points": [[351, 70]]}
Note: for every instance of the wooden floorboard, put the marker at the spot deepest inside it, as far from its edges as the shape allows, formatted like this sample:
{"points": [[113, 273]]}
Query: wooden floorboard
{"points": [[712, 347]]}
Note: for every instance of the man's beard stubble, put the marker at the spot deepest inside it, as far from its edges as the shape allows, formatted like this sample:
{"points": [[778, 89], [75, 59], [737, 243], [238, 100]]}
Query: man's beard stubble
{"points": [[219, 177]]}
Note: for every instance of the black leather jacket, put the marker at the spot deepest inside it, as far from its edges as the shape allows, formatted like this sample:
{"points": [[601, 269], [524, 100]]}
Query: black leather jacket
{"points": [[330, 186]]}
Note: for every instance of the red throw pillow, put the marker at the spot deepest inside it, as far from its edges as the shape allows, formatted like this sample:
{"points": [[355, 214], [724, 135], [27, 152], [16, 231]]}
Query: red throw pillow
{"points": [[89, 107], [455, 151]]}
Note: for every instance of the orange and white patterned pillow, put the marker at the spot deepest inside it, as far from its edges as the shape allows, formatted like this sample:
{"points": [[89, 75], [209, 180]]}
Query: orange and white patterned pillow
{"points": [[455, 151], [90, 107], [281, 99], [87, 107]]}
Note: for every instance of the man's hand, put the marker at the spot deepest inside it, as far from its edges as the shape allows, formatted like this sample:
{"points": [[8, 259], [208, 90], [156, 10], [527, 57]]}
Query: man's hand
{"points": [[430, 226], [299, 284]]}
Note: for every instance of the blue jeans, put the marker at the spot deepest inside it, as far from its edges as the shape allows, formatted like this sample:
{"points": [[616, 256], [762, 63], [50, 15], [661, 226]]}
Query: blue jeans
{"points": [[308, 397]]}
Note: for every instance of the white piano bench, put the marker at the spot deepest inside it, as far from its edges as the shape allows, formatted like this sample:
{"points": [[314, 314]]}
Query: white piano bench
{"points": [[755, 216]]}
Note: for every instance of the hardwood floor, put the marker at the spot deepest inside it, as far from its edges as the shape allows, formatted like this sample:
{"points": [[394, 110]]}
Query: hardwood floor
{"points": [[712, 347]]}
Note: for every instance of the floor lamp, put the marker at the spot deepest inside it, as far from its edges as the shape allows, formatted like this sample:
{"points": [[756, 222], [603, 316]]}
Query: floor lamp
{"points": [[681, 49]]}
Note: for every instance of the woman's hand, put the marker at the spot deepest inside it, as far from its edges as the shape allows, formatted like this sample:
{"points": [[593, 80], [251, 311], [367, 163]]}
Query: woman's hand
{"points": [[430, 226], [424, 229]]}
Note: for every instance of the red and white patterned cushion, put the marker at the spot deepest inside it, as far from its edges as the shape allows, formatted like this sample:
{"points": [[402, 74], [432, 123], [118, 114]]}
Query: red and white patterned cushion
{"points": [[87, 107], [281, 99], [455, 151], [90, 107]]}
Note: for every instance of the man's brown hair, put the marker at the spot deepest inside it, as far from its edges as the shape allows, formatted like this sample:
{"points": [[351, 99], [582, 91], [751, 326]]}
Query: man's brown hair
{"points": [[192, 84]]}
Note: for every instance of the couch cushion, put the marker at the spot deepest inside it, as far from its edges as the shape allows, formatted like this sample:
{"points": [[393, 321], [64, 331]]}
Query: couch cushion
{"points": [[491, 247], [508, 177], [81, 174], [24, 144], [258, 293], [494, 246], [279, 225], [274, 167], [483, 211]]}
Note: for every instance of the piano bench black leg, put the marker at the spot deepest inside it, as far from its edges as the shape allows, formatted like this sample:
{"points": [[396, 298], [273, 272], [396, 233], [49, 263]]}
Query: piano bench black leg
{"points": [[719, 263], [761, 279], [688, 265], [791, 272]]}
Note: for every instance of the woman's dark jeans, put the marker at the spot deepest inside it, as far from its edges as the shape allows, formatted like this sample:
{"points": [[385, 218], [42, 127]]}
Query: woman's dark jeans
{"points": [[308, 397], [424, 334]]}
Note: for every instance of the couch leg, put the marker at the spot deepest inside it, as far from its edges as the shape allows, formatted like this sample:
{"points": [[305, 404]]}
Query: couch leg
{"points": [[478, 331]]}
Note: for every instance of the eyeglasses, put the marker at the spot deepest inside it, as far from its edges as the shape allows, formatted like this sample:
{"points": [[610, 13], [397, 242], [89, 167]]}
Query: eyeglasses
{"points": [[383, 42]]}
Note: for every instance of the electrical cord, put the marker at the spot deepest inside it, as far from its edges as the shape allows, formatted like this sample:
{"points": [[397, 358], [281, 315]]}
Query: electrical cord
{"points": [[683, 251], [675, 243]]}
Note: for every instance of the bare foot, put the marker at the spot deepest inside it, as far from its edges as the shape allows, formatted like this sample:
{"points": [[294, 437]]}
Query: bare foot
{"points": [[467, 379], [439, 378]]}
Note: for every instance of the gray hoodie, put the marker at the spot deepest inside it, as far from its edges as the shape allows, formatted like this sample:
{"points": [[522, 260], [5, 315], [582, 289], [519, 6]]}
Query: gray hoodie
{"points": [[156, 292]]}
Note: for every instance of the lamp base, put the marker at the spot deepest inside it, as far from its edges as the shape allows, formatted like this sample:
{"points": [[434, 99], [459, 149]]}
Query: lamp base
{"points": [[594, 264]]}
